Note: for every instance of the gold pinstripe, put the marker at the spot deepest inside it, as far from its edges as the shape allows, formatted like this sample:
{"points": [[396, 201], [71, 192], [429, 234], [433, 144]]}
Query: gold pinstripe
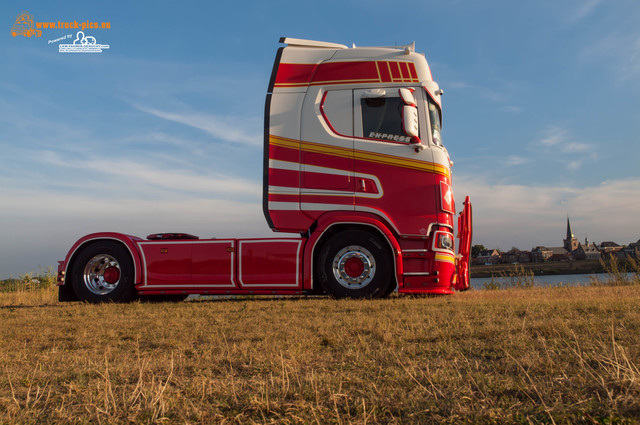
{"points": [[378, 158], [328, 82]]}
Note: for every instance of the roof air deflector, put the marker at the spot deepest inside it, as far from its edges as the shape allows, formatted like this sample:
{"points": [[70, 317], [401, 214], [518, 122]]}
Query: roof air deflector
{"points": [[311, 43]]}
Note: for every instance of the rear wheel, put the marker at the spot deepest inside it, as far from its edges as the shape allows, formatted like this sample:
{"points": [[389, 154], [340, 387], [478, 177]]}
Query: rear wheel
{"points": [[355, 264], [103, 272]]}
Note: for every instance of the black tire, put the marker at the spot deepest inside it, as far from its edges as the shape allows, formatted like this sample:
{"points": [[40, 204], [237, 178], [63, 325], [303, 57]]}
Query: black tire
{"points": [[355, 264], [391, 289], [103, 272]]}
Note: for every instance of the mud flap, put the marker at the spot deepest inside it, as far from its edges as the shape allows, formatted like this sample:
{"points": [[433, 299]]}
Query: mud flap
{"points": [[66, 293], [465, 231]]}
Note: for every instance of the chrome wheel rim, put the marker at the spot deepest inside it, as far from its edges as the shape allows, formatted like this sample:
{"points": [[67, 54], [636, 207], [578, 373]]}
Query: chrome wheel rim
{"points": [[102, 274], [354, 267]]}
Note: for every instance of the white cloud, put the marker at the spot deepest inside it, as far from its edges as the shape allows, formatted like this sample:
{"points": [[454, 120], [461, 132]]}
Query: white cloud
{"points": [[229, 129], [618, 49], [513, 109], [515, 160], [584, 9], [573, 147], [159, 138], [137, 174], [558, 144], [553, 136], [526, 216], [574, 165]]}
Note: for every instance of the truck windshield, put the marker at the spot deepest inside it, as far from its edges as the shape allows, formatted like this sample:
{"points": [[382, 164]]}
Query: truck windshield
{"points": [[435, 119]]}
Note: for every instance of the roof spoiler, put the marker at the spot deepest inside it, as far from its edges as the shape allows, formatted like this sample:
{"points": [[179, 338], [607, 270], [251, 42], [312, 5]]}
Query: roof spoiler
{"points": [[411, 47], [311, 43]]}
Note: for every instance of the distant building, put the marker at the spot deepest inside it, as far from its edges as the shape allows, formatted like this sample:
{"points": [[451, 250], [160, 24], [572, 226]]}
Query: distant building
{"points": [[559, 253], [631, 250], [488, 256], [554, 253], [609, 247], [588, 251], [540, 254], [515, 256]]}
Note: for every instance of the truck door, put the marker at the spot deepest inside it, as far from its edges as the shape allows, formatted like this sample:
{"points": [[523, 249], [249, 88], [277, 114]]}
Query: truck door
{"points": [[393, 174], [326, 151]]}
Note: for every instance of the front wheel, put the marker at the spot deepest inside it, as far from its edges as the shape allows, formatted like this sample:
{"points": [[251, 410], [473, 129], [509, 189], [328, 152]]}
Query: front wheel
{"points": [[355, 264], [103, 272]]}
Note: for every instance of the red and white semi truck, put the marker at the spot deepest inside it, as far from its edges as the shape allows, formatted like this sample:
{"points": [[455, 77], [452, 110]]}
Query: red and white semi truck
{"points": [[353, 164]]}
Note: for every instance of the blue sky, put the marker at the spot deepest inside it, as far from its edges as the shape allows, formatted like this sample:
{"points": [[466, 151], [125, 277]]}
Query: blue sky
{"points": [[162, 132]]}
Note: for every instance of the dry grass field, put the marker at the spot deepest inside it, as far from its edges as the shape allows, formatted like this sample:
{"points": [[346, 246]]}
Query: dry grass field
{"points": [[520, 355]]}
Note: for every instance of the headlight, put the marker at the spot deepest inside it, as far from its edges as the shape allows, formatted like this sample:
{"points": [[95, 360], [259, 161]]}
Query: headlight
{"points": [[444, 241]]}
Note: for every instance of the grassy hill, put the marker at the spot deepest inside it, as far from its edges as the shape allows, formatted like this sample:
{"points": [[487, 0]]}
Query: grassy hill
{"points": [[529, 355]]}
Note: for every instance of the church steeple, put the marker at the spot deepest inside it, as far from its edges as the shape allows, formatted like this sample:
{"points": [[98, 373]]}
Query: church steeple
{"points": [[569, 232], [570, 242]]}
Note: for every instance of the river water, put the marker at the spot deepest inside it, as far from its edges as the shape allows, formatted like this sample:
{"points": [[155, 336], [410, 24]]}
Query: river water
{"points": [[567, 279]]}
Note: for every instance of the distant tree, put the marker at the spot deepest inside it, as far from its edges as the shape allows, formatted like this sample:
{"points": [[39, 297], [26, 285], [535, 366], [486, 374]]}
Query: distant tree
{"points": [[476, 250]]}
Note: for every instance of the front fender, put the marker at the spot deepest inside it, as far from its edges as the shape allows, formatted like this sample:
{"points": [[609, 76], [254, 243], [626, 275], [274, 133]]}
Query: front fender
{"points": [[335, 218]]}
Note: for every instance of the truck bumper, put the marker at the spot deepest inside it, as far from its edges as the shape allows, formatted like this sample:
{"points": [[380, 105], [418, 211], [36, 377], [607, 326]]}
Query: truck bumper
{"points": [[439, 272]]}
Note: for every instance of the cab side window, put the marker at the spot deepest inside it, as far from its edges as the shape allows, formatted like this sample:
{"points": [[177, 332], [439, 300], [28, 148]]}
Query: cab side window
{"points": [[382, 119], [337, 109]]}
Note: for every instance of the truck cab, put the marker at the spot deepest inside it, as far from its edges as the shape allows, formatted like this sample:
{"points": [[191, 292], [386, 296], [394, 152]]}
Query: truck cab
{"points": [[367, 141]]}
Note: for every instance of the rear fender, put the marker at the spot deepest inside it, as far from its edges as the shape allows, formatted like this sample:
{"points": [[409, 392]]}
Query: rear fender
{"points": [[64, 267]]}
